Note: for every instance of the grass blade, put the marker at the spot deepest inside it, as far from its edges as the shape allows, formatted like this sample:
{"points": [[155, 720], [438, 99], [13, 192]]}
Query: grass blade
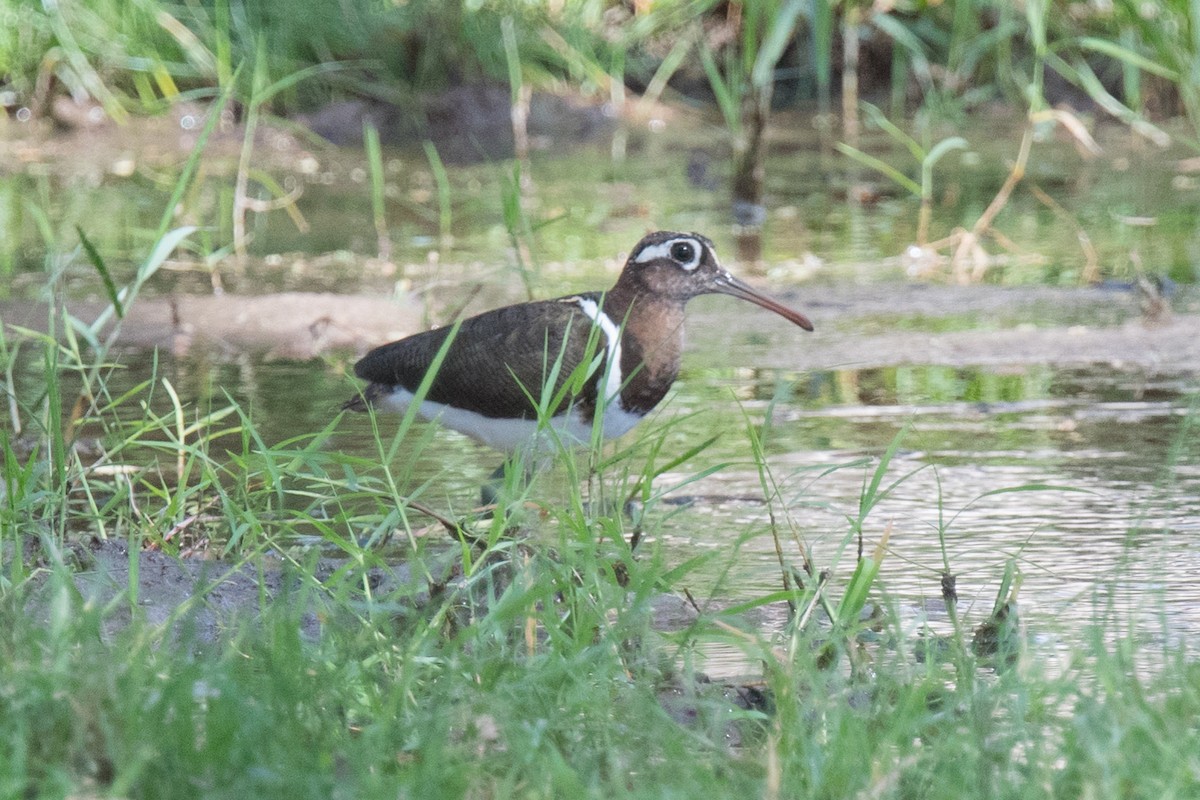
{"points": [[1127, 56], [879, 118], [880, 166], [779, 34], [378, 208], [722, 89], [442, 181], [110, 287]]}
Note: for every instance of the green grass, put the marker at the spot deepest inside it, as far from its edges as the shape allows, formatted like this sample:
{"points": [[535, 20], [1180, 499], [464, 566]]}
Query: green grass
{"points": [[953, 56], [948, 60], [389, 660], [406, 696], [374, 656]]}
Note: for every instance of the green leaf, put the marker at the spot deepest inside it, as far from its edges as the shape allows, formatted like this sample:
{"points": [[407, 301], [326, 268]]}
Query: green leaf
{"points": [[669, 66], [1036, 13], [722, 89], [163, 248], [854, 599], [1079, 73], [1127, 56], [1033, 487], [1006, 582], [688, 454], [901, 35], [880, 166], [512, 57], [264, 94], [782, 25], [945, 146], [110, 287], [879, 118], [779, 596], [701, 475], [871, 496]]}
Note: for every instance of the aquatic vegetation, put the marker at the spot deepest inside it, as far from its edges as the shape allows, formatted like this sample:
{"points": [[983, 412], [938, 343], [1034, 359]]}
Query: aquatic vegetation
{"points": [[345, 642], [871, 577]]}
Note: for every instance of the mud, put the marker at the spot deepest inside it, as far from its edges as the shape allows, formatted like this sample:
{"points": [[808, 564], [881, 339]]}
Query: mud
{"points": [[467, 124], [959, 326], [202, 600], [857, 326]]}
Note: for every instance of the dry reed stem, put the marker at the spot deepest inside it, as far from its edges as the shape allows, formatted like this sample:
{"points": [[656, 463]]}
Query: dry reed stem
{"points": [[850, 122], [1091, 268]]}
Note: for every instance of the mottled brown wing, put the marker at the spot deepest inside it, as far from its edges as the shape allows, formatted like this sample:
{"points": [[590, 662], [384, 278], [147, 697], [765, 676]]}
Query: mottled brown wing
{"points": [[491, 357]]}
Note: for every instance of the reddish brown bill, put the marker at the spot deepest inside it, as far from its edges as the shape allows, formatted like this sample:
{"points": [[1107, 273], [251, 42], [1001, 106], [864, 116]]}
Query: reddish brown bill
{"points": [[727, 284]]}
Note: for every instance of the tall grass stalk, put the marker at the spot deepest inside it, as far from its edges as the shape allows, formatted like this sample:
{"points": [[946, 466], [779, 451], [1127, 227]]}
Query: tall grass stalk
{"points": [[822, 47], [852, 16], [743, 86], [378, 208], [536, 672], [442, 181], [262, 90], [521, 93], [518, 226], [927, 158]]}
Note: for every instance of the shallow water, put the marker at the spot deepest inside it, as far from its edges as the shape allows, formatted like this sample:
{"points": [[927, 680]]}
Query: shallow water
{"points": [[1137, 205], [1111, 532], [1106, 530]]}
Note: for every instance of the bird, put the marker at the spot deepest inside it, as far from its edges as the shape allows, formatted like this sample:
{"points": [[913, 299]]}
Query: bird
{"points": [[524, 375]]}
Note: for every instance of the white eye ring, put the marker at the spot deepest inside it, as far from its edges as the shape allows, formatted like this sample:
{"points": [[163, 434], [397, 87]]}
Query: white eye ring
{"points": [[664, 249]]}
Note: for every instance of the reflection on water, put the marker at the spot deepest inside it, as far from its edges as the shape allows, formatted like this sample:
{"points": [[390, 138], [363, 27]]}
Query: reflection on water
{"points": [[813, 210], [1114, 526], [1110, 527]]}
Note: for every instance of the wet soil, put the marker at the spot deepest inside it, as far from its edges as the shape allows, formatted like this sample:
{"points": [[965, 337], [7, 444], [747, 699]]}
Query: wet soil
{"points": [[892, 324], [202, 599], [206, 600], [466, 123], [859, 326]]}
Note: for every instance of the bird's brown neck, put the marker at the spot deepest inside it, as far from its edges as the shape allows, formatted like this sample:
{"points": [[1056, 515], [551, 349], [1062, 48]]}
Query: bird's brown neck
{"points": [[651, 343]]}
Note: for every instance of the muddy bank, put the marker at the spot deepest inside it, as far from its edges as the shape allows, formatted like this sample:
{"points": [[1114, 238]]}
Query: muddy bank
{"points": [[207, 599], [960, 326], [857, 326], [467, 123], [199, 598], [288, 325]]}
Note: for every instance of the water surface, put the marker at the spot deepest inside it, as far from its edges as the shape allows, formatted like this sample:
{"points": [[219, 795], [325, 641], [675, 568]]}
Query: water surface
{"points": [[1111, 532]]}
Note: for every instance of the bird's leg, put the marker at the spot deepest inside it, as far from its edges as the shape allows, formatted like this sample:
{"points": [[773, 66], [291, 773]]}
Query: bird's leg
{"points": [[489, 493], [505, 480]]}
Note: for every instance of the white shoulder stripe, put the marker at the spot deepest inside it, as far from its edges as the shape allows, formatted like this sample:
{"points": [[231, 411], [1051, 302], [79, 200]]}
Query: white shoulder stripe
{"points": [[612, 377]]}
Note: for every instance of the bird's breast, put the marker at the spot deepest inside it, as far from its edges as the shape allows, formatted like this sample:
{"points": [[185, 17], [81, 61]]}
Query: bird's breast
{"points": [[653, 347], [641, 352]]}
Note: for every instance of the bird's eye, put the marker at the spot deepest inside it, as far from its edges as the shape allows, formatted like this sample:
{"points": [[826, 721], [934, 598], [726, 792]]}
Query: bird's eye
{"points": [[683, 252]]}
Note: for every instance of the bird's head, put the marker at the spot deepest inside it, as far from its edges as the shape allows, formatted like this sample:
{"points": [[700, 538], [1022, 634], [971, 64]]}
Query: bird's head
{"points": [[680, 266]]}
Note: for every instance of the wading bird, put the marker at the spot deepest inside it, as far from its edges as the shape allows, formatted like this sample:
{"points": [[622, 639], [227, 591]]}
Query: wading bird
{"points": [[612, 355]]}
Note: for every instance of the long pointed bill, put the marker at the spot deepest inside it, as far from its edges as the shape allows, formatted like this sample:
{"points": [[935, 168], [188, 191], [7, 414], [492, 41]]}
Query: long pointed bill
{"points": [[727, 284]]}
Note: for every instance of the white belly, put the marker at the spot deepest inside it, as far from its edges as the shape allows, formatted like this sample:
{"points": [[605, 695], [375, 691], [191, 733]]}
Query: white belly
{"points": [[507, 435], [570, 428]]}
